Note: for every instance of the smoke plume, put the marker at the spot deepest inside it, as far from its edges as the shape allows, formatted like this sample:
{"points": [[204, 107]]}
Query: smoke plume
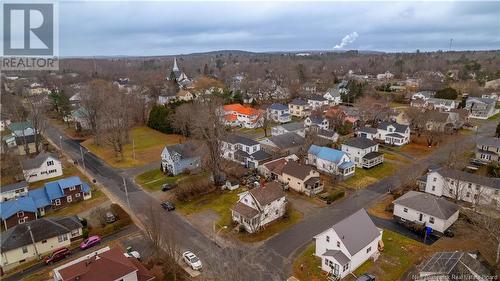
{"points": [[348, 39]]}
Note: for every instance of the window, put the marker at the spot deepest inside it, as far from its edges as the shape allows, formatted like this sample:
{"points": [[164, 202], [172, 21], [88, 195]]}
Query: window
{"points": [[431, 219], [434, 179], [467, 195], [368, 250], [69, 198], [327, 238], [57, 202], [338, 244], [25, 249], [21, 221], [20, 214], [44, 241], [72, 188], [62, 238], [77, 195], [345, 267], [326, 261], [405, 210], [52, 171], [50, 163], [433, 188]]}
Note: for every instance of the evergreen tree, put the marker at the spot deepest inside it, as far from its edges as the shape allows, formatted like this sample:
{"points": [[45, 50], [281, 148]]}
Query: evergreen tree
{"points": [[159, 119]]}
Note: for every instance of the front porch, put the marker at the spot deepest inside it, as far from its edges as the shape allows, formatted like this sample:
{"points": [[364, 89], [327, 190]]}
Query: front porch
{"points": [[372, 159]]}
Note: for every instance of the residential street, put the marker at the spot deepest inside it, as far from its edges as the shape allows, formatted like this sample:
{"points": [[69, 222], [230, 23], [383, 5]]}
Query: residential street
{"points": [[272, 260]]}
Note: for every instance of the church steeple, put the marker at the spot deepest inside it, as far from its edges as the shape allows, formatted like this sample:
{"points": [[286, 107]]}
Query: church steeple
{"points": [[175, 68]]}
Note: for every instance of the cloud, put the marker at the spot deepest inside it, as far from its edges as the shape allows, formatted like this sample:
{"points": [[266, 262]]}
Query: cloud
{"points": [[348, 39]]}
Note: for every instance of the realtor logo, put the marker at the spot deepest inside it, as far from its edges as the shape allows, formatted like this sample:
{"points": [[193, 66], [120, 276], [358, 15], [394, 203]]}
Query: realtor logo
{"points": [[29, 36], [28, 29]]}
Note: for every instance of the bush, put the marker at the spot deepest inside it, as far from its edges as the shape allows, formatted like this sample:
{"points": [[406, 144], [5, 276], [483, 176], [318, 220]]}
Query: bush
{"points": [[188, 190], [334, 196], [85, 233]]}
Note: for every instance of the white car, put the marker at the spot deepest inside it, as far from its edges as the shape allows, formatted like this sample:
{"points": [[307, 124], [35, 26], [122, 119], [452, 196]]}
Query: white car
{"points": [[134, 254], [192, 260]]}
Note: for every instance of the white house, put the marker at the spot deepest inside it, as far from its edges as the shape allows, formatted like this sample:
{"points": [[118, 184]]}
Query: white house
{"points": [[43, 166], [334, 95], [363, 151], [259, 206], [184, 95], [4, 123], [13, 191], [296, 127], [393, 133], [242, 116], [330, 161], [317, 121], [22, 129], [348, 244], [427, 209], [383, 76], [34, 239], [317, 102], [481, 108], [243, 150], [424, 95], [493, 96], [279, 113], [441, 104], [459, 185]]}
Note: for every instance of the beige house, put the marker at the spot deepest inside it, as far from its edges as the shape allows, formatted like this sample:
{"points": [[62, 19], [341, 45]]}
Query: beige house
{"points": [[299, 108], [35, 239], [184, 95], [301, 178]]}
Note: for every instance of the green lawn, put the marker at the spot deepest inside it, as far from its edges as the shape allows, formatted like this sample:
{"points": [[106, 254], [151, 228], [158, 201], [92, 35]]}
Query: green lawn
{"points": [[308, 266], [364, 177], [154, 179], [148, 144], [76, 208], [400, 253], [494, 117]]}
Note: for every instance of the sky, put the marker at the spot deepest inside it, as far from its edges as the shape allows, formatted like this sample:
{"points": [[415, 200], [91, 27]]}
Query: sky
{"points": [[140, 28]]}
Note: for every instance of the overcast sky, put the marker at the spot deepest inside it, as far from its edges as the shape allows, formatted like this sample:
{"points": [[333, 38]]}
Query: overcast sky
{"points": [[166, 28]]}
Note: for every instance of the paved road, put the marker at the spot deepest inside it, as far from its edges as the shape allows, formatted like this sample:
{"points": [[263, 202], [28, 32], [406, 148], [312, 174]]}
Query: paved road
{"points": [[272, 260]]}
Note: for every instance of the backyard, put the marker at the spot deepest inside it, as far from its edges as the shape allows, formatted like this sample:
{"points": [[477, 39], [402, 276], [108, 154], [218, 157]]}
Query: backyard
{"points": [[146, 142], [153, 180], [364, 177]]}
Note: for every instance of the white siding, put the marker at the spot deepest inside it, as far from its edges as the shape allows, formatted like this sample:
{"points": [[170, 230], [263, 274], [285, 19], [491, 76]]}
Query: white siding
{"points": [[44, 171]]}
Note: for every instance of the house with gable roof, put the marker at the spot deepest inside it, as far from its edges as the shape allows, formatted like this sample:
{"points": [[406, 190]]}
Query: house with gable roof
{"points": [[259, 206], [393, 133], [43, 166], [279, 113], [17, 211], [481, 108], [301, 178], [331, 161], [242, 116], [334, 95], [299, 108], [296, 127], [317, 121], [317, 102], [347, 244], [14, 190], [179, 158], [243, 150], [363, 151]]}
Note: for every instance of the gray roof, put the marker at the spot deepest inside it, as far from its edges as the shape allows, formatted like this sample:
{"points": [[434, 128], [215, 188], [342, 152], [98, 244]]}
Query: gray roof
{"points": [[338, 256], [316, 119], [395, 135], [356, 231], [489, 141], [185, 150], [13, 186], [234, 139], [372, 155], [468, 177], [317, 98], [326, 133], [36, 162], [360, 142], [287, 140], [43, 228], [297, 170], [260, 155], [291, 127], [453, 264], [369, 130], [481, 100], [298, 102], [427, 203], [26, 139], [400, 128], [427, 94]]}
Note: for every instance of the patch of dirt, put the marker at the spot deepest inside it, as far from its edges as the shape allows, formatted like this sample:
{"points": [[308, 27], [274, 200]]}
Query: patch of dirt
{"points": [[379, 209], [204, 221]]}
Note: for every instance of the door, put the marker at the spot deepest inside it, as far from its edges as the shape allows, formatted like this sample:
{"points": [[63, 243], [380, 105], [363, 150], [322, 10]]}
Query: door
{"points": [[420, 217], [336, 269]]}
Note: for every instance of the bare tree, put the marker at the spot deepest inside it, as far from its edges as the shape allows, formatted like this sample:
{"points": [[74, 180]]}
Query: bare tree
{"points": [[182, 120], [488, 222], [36, 115], [310, 137], [115, 121], [92, 100]]}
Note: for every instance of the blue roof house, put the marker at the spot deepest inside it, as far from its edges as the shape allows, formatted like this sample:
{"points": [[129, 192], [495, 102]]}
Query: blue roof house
{"points": [[331, 161], [17, 211]]}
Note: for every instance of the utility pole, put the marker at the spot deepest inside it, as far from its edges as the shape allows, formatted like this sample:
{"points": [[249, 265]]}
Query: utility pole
{"points": [[33, 240], [83, 160], [60, 145], [126, 192]]}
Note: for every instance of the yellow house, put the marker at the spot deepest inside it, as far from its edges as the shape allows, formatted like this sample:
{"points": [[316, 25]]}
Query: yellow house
{"points": [[36, 239], [301, 178]]}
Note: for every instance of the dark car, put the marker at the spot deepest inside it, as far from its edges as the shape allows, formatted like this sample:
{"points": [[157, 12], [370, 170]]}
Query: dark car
{"points": [[168, 206], [57, 255], [166, 187], [449, 233], [366, 277]]}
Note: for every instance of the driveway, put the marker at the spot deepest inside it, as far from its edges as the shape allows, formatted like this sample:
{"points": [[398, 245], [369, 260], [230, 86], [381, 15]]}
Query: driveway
{"points": [[400, 229]]}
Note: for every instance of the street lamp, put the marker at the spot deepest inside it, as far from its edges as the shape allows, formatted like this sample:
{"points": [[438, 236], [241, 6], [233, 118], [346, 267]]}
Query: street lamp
{"points": [[83, 159]]}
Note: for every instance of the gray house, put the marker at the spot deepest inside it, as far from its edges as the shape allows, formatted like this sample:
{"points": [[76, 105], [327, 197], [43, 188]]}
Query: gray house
{"points": [[179, 158], [481, 108], [487, 150]]}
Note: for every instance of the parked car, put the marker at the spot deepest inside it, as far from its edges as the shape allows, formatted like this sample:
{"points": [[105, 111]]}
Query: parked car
{"points": [[449, 233], [57, 255], [167, 186], [191, 260], [131, 253], [366, 277], [89, 242], [169, 206], [110, 218]]}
